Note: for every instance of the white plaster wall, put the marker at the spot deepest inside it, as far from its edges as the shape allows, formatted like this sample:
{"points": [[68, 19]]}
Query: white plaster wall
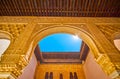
{"points": [[92, 70], [117, 43], [4, 44]]}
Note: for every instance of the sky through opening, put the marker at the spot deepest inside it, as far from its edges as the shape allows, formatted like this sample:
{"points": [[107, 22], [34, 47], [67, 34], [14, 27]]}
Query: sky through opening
{"points": [[60, 42]]}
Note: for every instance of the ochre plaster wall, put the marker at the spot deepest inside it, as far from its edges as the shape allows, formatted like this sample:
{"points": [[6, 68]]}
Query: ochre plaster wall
{"points": [[29, 70], [92, 70], [65, 69]]}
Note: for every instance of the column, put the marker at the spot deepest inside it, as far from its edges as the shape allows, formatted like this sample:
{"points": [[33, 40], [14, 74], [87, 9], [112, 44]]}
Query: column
{"points": [[109, 57], [14, 60]]}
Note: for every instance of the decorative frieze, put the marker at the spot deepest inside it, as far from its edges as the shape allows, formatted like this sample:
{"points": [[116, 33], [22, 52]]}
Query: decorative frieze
{"points": [[14, 29]]}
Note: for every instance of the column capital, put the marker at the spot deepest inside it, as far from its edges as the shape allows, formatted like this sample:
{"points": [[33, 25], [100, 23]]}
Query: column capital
{"points": [[110, 68], [11, 66]]}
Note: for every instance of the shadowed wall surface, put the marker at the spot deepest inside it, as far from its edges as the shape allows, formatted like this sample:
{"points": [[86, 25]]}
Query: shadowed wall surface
{"points": [[58, 69]]}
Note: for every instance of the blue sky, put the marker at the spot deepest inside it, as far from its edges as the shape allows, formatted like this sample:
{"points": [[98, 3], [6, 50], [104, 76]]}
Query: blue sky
{"points": [[60, 42]]}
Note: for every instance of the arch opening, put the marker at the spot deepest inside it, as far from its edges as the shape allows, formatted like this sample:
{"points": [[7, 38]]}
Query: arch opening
{"points": [[4, 44], [5, 40], [116, 40], [61, 48], [84, 35], [117, 43]]}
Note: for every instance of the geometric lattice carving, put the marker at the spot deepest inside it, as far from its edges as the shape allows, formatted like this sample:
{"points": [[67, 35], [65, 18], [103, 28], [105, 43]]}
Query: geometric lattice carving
{"points": [[14, 29], [108, 30], [51, 25]]}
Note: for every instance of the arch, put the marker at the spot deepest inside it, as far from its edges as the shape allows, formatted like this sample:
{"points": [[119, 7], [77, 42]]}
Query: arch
{"points": [[116, 40], [117, 43], [116, 35], [84, 35], [6, 35], [5, 40]]}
